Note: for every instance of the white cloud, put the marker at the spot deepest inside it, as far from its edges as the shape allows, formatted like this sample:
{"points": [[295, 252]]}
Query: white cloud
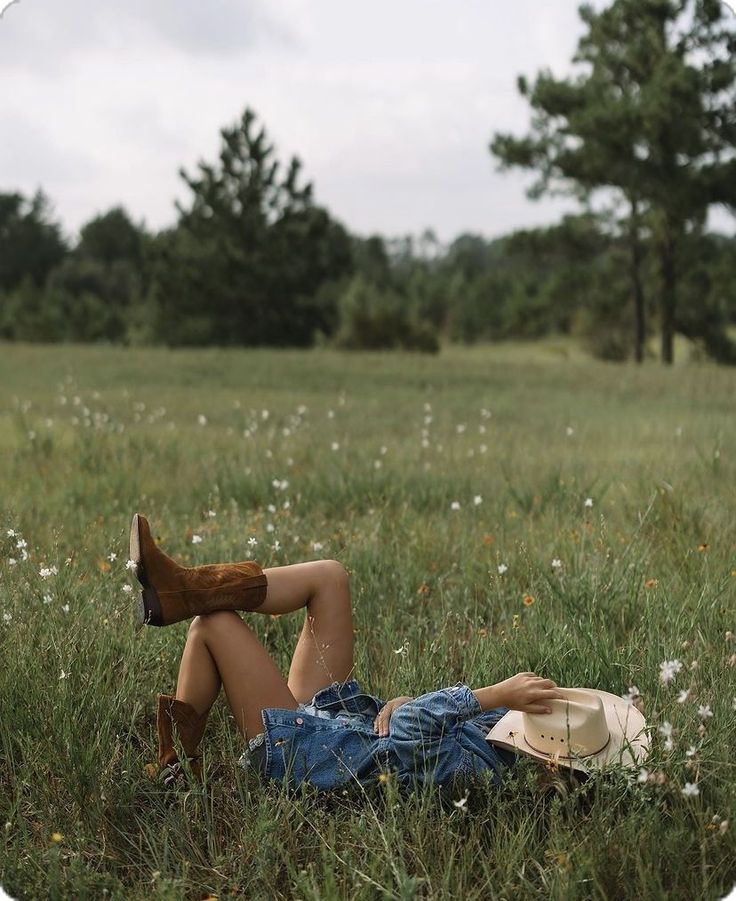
{"points": [[391, 106]]}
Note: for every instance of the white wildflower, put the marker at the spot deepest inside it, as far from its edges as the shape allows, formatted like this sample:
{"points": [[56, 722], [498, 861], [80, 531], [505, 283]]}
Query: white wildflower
{"points": [[270, 527], [47, 599], [127, 589], [569, 431], [478, 500], [211, 514], [196, 539], [21, 543], [12, 561], [252, 542], [455, 505], [131, 565], [588, 502], [63, 675], [317, 546], [47, 571], [556, 563], [462, 803], [691, 751], [383, 449], [691, 790], [276, 545], [112, 556], [271, 508], [335, 446], [460, 428], [202, 419], [632, 694], [11, 533], [502, 568], [704, 711], [65, 608], [377, 464], [683, 696], [7, 617], [643, 776], [668, 669], [665, 730]]}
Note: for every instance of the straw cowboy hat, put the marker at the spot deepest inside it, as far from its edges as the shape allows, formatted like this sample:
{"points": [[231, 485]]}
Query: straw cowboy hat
{"points": [[586, 730]]}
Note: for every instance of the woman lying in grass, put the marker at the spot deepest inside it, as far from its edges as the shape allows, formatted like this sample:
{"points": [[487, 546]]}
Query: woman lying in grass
{"points": [[318, 725]]}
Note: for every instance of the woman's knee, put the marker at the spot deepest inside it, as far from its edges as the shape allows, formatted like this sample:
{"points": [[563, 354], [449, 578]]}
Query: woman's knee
{"points": [[332, 572], [205, 622]]}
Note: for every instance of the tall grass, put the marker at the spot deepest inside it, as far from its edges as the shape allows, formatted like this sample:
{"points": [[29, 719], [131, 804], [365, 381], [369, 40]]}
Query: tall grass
{"points": [[364, 458]]}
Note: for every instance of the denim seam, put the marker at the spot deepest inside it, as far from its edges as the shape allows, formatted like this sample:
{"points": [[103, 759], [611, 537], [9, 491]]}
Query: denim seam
{"points": [[269, 748]]}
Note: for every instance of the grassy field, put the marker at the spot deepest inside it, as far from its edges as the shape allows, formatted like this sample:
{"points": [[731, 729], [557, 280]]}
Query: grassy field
{"points": [[366, 458]]}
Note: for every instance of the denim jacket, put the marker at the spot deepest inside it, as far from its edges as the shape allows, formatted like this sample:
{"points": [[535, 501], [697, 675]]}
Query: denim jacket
{"points": [[329, 742]]}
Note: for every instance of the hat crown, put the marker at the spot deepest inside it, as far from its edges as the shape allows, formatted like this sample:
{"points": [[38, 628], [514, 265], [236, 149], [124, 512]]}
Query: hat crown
{"points": [[576, 727]]}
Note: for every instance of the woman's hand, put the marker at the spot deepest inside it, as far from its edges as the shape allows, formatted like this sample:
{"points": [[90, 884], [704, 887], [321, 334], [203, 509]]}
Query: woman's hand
{"points": [[527, 692], [380, 724]]}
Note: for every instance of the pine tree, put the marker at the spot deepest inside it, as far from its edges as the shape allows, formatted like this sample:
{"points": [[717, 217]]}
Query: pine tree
{"points": [[251, 251], [653, 118]]}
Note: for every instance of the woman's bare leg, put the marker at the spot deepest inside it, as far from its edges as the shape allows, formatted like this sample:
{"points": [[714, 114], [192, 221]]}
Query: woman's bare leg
{"points": [[324, 652], [220, 646], [199, 681]]}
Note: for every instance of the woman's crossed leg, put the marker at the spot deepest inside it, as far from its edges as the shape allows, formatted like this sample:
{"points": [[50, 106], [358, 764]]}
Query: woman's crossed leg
{"points": [[221, 649]]}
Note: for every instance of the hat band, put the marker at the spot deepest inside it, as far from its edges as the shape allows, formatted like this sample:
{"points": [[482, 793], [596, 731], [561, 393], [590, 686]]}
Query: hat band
{"points": [[567, 756]]}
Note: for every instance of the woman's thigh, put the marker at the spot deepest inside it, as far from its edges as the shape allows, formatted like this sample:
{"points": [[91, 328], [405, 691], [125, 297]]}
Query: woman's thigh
{"points": [[324, 650]]}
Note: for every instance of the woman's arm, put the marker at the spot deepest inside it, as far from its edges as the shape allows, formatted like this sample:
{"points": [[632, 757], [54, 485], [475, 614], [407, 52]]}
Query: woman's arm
{"points": [[380, 724], [524, 691]]}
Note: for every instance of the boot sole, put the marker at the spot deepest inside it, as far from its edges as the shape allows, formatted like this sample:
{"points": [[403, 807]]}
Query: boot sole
{"points": [[149, 606]]}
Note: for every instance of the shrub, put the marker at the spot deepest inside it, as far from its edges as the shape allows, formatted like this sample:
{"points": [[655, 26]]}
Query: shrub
{"points": [[375, 319]]}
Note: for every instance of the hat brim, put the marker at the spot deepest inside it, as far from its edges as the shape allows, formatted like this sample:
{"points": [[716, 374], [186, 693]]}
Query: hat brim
{"points": [[628, 744]]}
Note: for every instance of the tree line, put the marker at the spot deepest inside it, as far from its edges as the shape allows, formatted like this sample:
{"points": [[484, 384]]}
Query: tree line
{"points": [[253, 259]]}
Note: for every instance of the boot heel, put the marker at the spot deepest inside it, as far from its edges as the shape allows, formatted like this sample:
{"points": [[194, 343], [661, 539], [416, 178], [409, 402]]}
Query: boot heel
{"points": [[149, 610], [134, 552]]}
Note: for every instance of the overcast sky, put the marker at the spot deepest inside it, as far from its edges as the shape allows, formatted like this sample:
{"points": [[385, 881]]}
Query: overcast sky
{"points": [[390, 104]]}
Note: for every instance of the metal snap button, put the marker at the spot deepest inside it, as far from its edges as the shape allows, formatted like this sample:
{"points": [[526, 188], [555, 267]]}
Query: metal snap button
{"points": [[299, 721]]}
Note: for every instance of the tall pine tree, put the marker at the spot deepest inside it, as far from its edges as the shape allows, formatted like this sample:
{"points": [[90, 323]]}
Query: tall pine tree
{"points": [[251, 251], [652, 118]]}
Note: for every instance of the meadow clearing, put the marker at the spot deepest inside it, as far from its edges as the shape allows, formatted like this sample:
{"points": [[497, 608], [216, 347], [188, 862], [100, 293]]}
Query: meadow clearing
{"points": [[499, 509]]}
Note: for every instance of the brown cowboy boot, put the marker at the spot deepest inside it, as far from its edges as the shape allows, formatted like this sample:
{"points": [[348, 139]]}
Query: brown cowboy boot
{"points": [[172, 592], [190, 726]]}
